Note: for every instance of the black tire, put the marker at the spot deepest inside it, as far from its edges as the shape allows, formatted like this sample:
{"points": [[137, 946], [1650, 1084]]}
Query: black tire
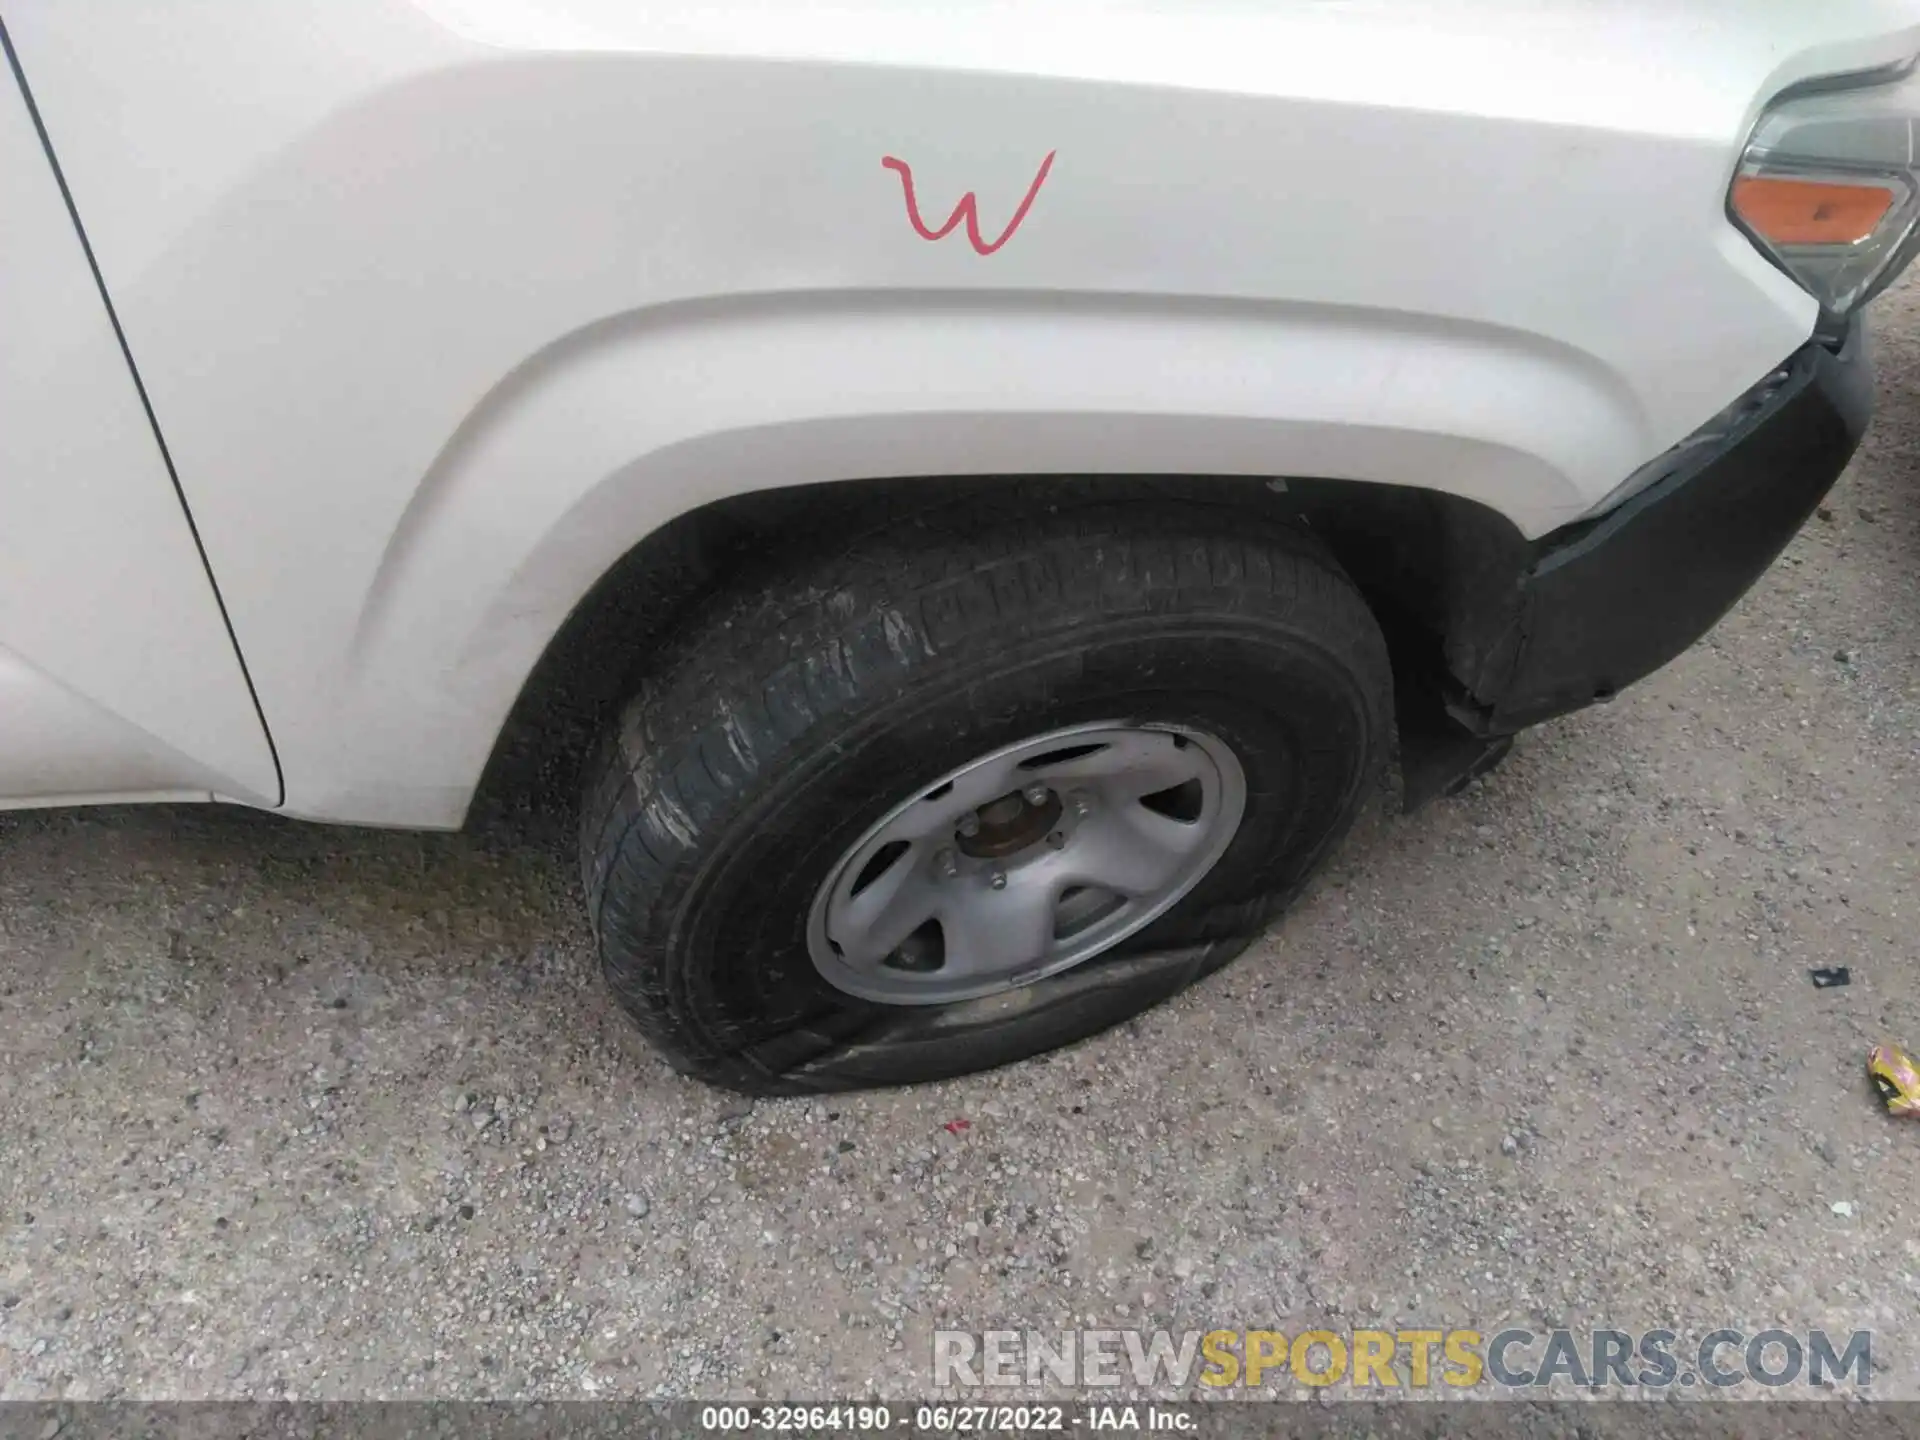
{"points": [[797, 708]]}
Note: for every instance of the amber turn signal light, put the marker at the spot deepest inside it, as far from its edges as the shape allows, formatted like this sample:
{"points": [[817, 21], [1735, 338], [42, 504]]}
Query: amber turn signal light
{"points": [[1809, 212]]}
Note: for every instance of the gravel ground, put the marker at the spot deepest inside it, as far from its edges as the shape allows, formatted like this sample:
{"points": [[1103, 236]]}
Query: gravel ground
{"points": [[288, 1111]]}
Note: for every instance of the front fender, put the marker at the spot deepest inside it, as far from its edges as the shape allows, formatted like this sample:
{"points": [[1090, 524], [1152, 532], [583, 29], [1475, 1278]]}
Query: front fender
{"points": [[442, 305]]}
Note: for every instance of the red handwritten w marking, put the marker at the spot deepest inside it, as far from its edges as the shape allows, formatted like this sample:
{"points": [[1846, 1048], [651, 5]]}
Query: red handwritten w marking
{"points": [[967, 208]]}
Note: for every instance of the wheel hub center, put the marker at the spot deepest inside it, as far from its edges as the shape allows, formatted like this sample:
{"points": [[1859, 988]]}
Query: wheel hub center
{"points": [[1007, 826]]}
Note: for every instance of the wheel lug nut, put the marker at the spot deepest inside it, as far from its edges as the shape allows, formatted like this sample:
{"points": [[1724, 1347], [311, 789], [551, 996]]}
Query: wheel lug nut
{"points": [[947, 864], [1081, 802], [998, 879], [1057, 840], [1036, 794], [969, 824]]}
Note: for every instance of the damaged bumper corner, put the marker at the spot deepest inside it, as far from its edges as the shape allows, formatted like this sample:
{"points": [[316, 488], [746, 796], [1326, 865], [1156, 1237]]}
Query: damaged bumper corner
{"points": [[1608, 600], [1576, 616]]}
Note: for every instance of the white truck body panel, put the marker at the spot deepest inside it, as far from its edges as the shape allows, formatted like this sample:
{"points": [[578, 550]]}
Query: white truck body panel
{"points": [[444, 306], [117, 677]]}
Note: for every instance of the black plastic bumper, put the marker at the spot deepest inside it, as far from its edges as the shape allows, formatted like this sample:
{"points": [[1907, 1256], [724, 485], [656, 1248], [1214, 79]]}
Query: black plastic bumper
{"points": [[1609, 600]]}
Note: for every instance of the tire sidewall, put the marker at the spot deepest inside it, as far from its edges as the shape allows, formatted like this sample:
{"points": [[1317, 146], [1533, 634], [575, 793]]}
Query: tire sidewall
{"points": [[1299, 718]]}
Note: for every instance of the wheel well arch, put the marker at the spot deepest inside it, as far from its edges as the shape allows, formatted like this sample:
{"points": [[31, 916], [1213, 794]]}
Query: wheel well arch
{"points": [[1440, 571], [638, 427]]}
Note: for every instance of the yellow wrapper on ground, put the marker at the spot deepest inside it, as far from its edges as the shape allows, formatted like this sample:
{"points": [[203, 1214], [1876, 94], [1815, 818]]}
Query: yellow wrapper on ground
{"points": [[1896, 1078]]}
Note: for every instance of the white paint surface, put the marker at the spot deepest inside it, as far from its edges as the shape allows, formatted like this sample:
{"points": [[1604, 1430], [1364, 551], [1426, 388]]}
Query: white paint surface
{"points": [[444, 306]]}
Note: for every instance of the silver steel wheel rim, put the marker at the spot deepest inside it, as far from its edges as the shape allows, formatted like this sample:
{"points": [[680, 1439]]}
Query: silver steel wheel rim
{"points": [[1025, 862]]}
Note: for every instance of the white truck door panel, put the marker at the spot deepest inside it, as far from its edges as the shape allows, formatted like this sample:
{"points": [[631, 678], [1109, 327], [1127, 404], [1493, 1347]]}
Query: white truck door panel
{"points": [[117, 676]]}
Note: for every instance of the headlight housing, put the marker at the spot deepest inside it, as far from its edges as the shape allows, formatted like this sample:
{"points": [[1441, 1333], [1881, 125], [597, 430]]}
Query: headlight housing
{"points": [[1829, 186]]}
